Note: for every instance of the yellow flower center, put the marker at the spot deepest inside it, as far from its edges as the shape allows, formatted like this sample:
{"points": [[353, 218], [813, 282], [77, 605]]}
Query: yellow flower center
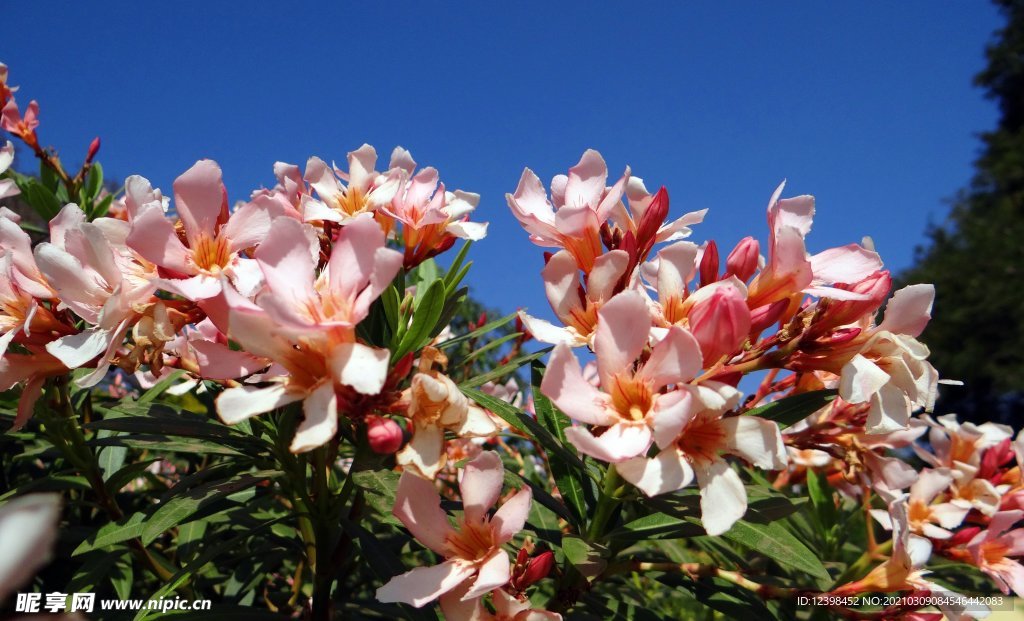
{"points": [[211, 254]]}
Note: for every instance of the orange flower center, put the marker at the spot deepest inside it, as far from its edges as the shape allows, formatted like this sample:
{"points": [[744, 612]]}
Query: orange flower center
{"points": [[994, 552], [211, 254], [352, 201], [703, 438], [632, 398], [472, 542], [918, 514]]}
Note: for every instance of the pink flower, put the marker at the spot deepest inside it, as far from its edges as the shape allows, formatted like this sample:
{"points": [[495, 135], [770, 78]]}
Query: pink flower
{"points": [[100, 279], [24, 127], [580, 203], [212, 238], [790, 271], [7, 186], [507, 607], [431, 217], [436, 404], [575, 306], [630, 406], [926, 517], [992, 548], [344, 196], [31, 370], [633, 218], [306, 323], [697, 447], [891, 370], [471, 550], [744, 259]]}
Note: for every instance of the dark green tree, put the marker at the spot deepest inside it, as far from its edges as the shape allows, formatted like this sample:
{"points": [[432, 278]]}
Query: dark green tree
{"points": [[976, 256]]}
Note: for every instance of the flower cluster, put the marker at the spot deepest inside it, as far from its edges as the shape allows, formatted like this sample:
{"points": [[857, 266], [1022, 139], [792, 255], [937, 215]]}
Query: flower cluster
{"points": [[316, 305]]}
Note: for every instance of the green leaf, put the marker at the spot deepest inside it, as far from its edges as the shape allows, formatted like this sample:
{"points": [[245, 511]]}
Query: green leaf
{"points": [[112, 533], [163, 443], [158, 388], [111, 458], [482, 330], [101, 208], [499, 372], [566, 478], [452, 277], [526, 424], [794, 409], [93, 181], [95, 570], [39, 197], [778, 544], [424, 318], [379, 487], [656, 526], [585, 557], [180, 508]]}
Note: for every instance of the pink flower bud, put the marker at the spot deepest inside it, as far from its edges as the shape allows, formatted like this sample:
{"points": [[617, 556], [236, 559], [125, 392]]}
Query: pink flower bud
{"points": [[384, 435], [842, 312], [764, 316], [709, 264], [720, 322], [742, 261]]}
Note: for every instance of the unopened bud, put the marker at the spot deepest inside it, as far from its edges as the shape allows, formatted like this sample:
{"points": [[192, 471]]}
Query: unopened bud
{"points": [[720, 322], [384, 435], [709, 264], [875, 288], [742, 261], [764, 316], [962, 536], [529, 572], [994, 458], [94, 148]]}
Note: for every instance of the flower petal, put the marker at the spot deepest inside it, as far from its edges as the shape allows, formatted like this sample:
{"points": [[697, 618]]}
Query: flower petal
{"points": [[564, 384], [511, 516], [237, 404], [418, 506], [481, 485], [362, 367], [618, 443], [667, 472], [756, 440], [723, 499], [622, 330], [321, 419], [424, 584], [494, 572]]}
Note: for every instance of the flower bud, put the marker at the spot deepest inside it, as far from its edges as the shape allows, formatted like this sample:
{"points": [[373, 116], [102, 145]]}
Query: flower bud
{"points": [[709, 264], [875, 288], [720, 322], [94, 148], [528, 571], [384, 435], [764, 316], [742, 261]]}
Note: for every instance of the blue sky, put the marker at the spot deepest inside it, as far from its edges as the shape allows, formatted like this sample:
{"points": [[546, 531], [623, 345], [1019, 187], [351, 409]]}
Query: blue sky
{"points": [[867, 105]]}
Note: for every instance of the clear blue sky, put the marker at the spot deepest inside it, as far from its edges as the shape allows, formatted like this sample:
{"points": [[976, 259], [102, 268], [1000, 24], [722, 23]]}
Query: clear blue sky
{"points": [[867, 105]]}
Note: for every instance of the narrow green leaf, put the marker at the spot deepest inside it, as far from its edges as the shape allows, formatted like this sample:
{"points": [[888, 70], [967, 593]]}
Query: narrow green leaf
{"points": [[569, 482], [499, 372], [794, 409], [424, 318], [93, 181], [526, 424], [778, 544], [656, 526], [180, 508], [112, 533], [482, 330]]}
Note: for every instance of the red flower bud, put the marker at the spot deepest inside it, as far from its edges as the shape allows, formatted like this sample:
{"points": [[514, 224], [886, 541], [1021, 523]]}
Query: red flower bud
{"points": [[537, 569], [709, 264], [94, 148], [742, 261], [384, 435], [842, 312], [962, 536]]}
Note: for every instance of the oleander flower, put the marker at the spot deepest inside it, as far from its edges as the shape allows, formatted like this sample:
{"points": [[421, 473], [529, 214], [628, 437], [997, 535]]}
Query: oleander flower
{"points": [[471, 549], [697, 446], [572, 217], [306, 323], [630, 406], [211, 241], [344, 197], [992, 548], [7, 186], [925, 516]]}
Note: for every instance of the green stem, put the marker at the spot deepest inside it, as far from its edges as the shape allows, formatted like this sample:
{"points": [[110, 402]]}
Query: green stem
{"points": [[606, 504]]}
